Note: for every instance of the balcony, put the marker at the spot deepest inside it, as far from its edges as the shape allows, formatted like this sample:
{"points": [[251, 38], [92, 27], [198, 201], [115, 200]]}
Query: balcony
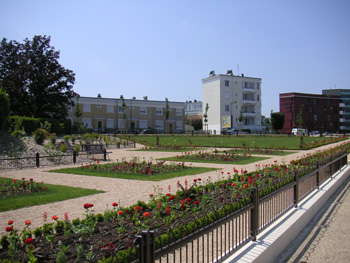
{"points": [[342, 120], [248, 102], [341, 105], [249, 114]]}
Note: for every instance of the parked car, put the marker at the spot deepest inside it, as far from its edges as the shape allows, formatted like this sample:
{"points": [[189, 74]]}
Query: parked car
{"points": [[232, 131], [148, 131], [299, 131], [315, 133]]}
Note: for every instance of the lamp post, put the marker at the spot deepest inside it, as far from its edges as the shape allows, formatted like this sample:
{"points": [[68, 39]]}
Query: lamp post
{"points": [[133, 98]]}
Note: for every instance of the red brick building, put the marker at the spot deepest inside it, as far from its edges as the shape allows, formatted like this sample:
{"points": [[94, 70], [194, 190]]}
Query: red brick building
{"points": [[318, 112]]}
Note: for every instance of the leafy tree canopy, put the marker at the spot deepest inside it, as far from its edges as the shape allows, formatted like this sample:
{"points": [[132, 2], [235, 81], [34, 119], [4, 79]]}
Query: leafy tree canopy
{"points": [[4, 108], [37, 85], [277, 120]]}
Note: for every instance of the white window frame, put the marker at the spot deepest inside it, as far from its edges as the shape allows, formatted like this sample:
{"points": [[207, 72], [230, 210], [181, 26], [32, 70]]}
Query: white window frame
{"points": [[227, 95], [110, 123], [159, 111], [143, 110], [143, 124], [110, 109], [86, 108], [179, 125], [159, 125], [87, 122], [227, 83], [178, 112]]}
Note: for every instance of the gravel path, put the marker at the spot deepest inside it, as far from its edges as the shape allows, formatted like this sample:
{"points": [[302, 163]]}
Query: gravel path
{"points": [[125, 192]]}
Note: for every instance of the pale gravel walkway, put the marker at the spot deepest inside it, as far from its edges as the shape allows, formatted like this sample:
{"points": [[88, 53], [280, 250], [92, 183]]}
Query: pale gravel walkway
{"points": [[125, 192]]}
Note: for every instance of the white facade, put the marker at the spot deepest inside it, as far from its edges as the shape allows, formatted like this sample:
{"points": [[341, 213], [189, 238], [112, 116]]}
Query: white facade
{"points": [[227, 95]]}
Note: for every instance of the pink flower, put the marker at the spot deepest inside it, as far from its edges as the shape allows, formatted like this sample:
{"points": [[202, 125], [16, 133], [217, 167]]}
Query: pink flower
{"points": [[66, 216]]}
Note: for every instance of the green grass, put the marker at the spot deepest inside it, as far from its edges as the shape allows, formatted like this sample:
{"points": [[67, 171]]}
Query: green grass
{"points": [[241, 162], [286, 142], [55, 193], [284, 153], [142, 177], [170, 150]]}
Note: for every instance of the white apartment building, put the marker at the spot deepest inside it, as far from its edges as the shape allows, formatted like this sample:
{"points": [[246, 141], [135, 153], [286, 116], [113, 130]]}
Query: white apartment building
{"points": [[227, 95]]}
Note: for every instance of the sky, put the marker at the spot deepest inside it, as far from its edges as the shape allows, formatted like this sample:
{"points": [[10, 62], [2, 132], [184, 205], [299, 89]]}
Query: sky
{"points": [[163, 49]]}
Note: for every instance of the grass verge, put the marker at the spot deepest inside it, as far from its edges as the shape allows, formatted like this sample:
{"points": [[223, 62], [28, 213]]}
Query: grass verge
{"points": [[249, 160], [54, 193]]}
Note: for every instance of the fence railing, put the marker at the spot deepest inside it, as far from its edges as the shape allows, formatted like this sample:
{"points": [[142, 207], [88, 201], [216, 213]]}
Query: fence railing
{"points": [[217, 240], [39, 160]]}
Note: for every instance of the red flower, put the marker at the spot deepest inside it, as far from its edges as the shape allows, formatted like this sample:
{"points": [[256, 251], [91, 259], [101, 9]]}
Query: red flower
{"points": [[66, 216], [199, 179], [167, 210], [87, 206], [194, 180], [167, 194], [29, 241], [31, 179], [14, 181], [9, 229], [137, 208], [23, 178], [159, 205], [233, 184], [10, 222], [120, 213], [147, 214], [171, 197], [196, 202], [182, 202], [115, 204], [54, 217], [246, 186], [188, 200], [45, 216], [151, 195], [28, 222]]}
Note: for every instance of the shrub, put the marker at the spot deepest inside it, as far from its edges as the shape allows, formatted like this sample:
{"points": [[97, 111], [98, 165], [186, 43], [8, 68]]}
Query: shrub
{"points": [[40, 136]]}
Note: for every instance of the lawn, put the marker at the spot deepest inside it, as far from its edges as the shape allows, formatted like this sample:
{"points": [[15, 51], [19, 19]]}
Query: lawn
{"points": [[54, 193], [280, 142], [132, 176], [249, 160]]}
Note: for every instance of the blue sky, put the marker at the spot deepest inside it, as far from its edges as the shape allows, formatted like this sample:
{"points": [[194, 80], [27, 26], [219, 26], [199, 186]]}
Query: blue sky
{"points": [[164, 48]]}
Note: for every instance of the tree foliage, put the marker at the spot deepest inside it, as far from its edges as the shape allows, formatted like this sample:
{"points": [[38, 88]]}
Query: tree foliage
{"points": [[197, 124], [37, 85], [277, 120], [166, 114], [4, 109]]}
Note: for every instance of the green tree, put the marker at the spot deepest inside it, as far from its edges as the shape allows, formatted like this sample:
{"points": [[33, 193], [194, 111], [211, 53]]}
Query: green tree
{"points": [[166, 115], [266, 122], [77, 112], [197, 124], [277, 120], [205, 115], [299, 119], [37, 85], [4, 109], [123, 115], [240, 119]]}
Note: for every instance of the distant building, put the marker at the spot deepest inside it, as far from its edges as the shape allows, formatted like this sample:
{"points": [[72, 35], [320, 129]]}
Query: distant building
{"points": [[193, 110], [318, 112], [344, 107], [104, 114], [227, 96]]}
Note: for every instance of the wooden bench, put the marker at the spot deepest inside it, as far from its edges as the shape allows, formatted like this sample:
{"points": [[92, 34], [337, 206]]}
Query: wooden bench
{"points": [[92, 149]]}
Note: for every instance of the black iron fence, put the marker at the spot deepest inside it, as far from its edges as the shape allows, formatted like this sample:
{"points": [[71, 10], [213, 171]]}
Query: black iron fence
{"points": [[215, 235], [52, 159]]}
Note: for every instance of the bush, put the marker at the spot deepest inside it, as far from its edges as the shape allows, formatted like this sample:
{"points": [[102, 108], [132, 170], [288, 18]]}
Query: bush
{"points": [[40, 135]]}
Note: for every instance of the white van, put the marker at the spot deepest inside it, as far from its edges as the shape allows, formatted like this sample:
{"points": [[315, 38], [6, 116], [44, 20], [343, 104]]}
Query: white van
{"points": [[299, 131]]}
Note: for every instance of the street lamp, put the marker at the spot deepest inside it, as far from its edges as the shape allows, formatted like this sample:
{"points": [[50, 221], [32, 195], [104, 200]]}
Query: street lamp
{"points": [[133, 98]]}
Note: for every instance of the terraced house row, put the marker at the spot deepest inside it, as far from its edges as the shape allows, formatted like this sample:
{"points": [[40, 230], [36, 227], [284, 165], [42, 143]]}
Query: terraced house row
{"points": [[106, 114]]}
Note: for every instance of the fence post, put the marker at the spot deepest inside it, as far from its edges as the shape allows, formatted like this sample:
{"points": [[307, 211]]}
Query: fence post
{"points": [[134, 144], [318, 175], [104, 154], [296, 189], [301, 142], [157, 141], [74, 156], [255, 214], [331, 168], [37, 159], [147, 247]]}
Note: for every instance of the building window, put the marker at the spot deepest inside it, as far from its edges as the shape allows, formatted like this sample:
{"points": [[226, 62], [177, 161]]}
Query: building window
{"points": [[87, 108], [227, 95], [143, 110], [143, 124], [315, 101], [121, 124], [70, 108], [110, 123], [310, 108], [159, 125], [87, 122], [227, 108], [120, 109], [246, 121], [329, 117], [159, 111], [315, 117], [227, 83], [329, 102], [179, 125], [99, 106], [257, 97], [257, 85], [178, 112], [110, 109]]}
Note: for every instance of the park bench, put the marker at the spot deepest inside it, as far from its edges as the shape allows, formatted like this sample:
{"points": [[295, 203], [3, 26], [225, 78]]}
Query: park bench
{"points": [[92, 149]]}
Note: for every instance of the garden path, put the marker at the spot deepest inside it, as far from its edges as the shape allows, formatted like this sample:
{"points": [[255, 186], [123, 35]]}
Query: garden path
{"points": [[125, 192]]}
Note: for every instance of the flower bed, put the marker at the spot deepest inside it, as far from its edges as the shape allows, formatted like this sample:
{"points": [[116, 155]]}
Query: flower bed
{"points": [[204, 202], [21, 187]]}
